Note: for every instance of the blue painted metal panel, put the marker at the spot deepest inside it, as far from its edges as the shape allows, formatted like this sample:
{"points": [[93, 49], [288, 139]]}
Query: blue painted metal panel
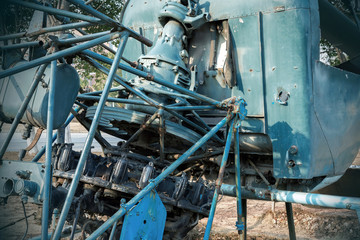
{"points": [[336, 106], [146, 220], [247, 55]]}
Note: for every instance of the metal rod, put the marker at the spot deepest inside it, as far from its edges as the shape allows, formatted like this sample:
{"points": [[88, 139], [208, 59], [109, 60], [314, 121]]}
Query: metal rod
{"points": [[21, 45], [153, 78], [112, 234], [219, 181], [58, 28], [22, 109], [258, 172], [56, 11], [162, 131], [101, 91], [139, 131], [244, 219], [12, 36], [188, 108], [215, 137], [47, 176], [60, 54], [90, 137], [111, 99], [290, 220], [42, 151], [111, 21], [153, 183], [239, 223], [313, 199], [81, 38]]}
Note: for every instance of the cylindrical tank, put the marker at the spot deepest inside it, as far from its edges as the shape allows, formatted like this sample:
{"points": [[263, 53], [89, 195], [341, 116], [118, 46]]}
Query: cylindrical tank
{"points": [[13, 90]]}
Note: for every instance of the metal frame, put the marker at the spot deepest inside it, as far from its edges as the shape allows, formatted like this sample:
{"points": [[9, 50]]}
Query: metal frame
{"points": [[233, 117]]}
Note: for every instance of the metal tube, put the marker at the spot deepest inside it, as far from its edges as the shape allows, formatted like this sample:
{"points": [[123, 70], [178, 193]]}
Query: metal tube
{"points": [[244, 219], [162, 133], [111, 99], [111, 21], [42, 151], [290, 220], [12, 36], [188, 108], [215, 137], [219, 181], [153, 78], [21, 45], [82, 38], [153, 183], [139, 131], [314, 199], [57, 55], [56, 11], [239, 223], [22, 109], [58, 28], [101, 91], [112, 234], [90, 137], [47, 176]]}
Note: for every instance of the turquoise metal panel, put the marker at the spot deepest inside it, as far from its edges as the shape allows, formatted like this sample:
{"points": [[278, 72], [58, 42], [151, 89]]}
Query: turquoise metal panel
{"points": [[336, 106], [146, 220], [286, 62], [247, 55]]}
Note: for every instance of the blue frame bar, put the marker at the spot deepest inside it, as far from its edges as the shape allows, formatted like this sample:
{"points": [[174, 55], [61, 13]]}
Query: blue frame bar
{"points": [[81, 38], [22, 109], [54, 137], [56, 11], [12, 36], [111, 99], [154, 182], [21, 45], [60, 54], [189, 108], [219, 180], [48, 167], [239, 224], [90, 137]]}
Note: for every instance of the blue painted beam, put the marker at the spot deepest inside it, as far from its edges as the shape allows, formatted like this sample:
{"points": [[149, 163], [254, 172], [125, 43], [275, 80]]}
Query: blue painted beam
{"points": [[48, 166], [90, 137]]}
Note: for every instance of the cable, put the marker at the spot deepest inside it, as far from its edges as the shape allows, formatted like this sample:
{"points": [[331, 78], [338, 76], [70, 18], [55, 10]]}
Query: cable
{"points": [[27, 224]]}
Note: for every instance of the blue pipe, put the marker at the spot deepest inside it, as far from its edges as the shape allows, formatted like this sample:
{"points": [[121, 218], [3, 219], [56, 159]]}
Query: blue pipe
{"points": [[219, 181], [21, 45], [12, 36], [111, 99], [49, 130], [188, 108], [239, 223], [153, 183], [56, 11], [42, 151], [81, 38], [57, 55], [90, 137], [58, 28], [22, 109], [153, 78]]}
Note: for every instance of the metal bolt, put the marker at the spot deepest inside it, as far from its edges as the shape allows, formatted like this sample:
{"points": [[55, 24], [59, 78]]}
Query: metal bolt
{"points": [[293, 150], [291, 163]]}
